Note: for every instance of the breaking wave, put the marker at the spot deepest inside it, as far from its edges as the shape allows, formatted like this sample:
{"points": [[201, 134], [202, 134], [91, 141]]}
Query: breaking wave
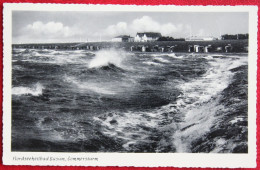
{"points": [[106, 57], [89, 86], [152, 63], [173, 127], [161, 60], [200, 103], [54, 57], [171, 55], [113, 101], [109, 68], [36, 90]]}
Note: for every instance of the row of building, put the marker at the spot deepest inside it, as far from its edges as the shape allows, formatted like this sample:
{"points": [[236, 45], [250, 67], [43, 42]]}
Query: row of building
{"points": [[140, 37], [154, 36]]}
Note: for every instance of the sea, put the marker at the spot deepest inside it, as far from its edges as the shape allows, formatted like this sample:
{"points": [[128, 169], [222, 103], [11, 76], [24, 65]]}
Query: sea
{"points": [[117, 101]]}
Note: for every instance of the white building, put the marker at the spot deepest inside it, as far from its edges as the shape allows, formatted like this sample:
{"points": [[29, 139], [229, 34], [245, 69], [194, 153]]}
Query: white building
{"points": [[147, 36], [123, 38]]}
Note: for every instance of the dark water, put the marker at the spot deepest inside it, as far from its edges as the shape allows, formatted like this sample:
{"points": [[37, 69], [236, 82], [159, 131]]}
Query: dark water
{"points": [[113, 101]]}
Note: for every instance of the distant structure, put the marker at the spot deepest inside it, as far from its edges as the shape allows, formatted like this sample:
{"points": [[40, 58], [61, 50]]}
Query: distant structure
{"points": [[170, 39], [147, 36], [123, 38], [200, 38], [235, 37]]}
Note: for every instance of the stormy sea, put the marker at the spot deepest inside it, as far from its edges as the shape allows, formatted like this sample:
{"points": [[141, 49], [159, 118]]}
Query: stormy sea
{"points": [[116, 101]]}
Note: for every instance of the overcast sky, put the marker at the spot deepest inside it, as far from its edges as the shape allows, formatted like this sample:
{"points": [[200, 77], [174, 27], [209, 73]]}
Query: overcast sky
{"points": [[51, 27]]}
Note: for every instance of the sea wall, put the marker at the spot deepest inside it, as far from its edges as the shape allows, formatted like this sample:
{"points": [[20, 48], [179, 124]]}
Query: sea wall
{"points": [[157, 46]]}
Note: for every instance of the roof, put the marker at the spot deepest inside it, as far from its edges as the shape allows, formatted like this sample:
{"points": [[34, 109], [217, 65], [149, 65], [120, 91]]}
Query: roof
{"points": [[149, 34], [123, 36]]}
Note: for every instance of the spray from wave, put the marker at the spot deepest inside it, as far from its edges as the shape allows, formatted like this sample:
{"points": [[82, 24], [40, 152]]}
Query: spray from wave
{"points": [[54, 57], [171, 55], [107, 57], [36, 90], [161, 60], [89, 86]]}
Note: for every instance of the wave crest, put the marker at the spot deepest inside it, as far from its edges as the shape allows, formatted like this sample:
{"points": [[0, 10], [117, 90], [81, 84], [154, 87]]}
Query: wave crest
{"points": [[36, 90], [106, 57]]}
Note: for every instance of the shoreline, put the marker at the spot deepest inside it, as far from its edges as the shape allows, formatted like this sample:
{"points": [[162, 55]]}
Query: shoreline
{"points": [[166, 53], [217, 46], [192, 53]]}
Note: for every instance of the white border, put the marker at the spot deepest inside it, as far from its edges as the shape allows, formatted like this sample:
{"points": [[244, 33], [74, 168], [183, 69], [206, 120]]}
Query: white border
{"points": [[133, 159]]}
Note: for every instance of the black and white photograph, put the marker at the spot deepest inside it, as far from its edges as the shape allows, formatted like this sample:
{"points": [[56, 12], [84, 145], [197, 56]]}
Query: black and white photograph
{"points": [[93, 81]]}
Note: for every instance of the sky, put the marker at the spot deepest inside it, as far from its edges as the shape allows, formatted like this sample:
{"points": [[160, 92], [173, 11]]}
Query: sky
{"points": [[59, 27]]}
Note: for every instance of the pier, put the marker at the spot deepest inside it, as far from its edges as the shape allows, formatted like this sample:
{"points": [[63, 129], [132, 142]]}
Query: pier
{"points": [[220, 46]]}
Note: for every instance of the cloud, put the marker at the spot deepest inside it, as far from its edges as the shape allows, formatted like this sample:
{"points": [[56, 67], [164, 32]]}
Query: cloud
{"points": [[50, 30], [145, 24], [119, 28]]}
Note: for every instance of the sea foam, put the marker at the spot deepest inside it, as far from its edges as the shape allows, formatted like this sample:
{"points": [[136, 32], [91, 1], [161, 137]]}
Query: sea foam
{"points": [[89, 86], [36, 90], [199, 102], [106, 57]]}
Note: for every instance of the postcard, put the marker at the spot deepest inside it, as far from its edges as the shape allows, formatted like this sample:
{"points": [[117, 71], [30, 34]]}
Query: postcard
{"points": [[129, 85]]}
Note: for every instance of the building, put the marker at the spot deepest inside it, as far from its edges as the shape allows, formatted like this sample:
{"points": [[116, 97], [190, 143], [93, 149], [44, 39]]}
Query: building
{"points": [[235, 37], [123, 38], [200, 38], [147, 36]]}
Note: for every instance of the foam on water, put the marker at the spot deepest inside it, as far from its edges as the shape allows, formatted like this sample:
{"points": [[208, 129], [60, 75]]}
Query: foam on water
{"points": [[64, 130], [199, 103], [19, 50], [55, 57], [177, 57], [152, 63], [18, 67], [171, 55], [134, 128], [196, 110], [89, 86], [106, 57], [237, 119], [35, 90], [162, 54], [162, 60], [111, 99]]}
